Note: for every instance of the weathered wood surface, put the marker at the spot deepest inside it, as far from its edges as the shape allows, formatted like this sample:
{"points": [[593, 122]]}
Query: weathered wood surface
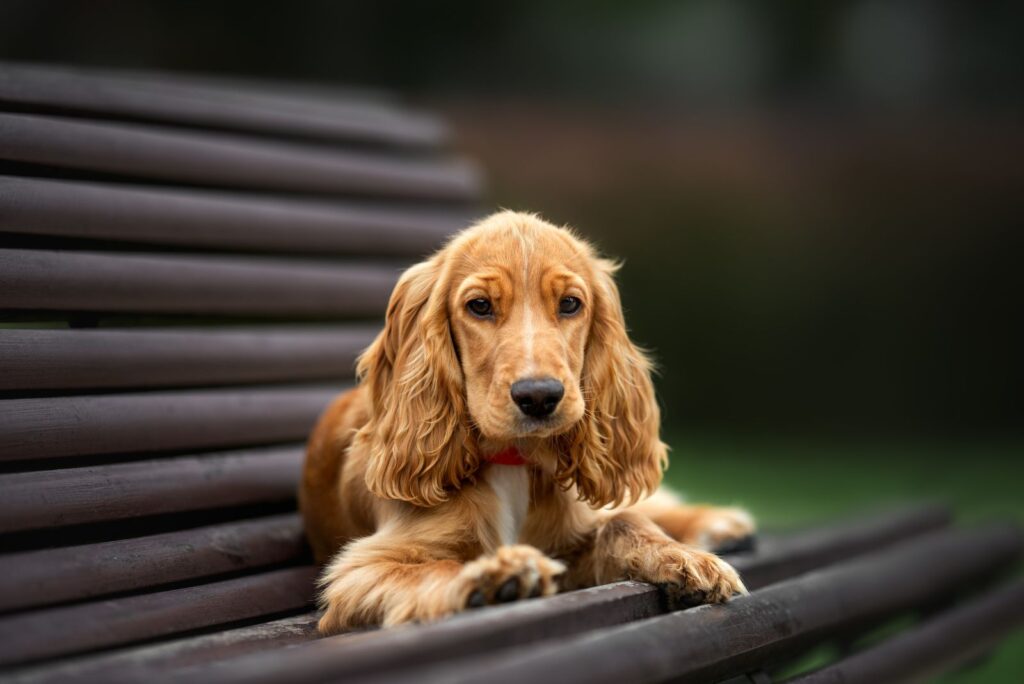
{"points": [[142, 201], [228, 106], [557, 618], [33, 636], [938, 645], [50, 427], [139, 663], [219, 220], [73, 496], [174, 284], [169, 357], [710, 643], [228, 161], [49, 576], [388, 654]]}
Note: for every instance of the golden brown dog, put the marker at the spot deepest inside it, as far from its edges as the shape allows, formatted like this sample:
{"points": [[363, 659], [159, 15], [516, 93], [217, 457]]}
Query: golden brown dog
{"points": [[503, 425]]}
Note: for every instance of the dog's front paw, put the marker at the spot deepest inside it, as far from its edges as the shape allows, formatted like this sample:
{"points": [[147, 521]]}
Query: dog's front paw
{"points": [[512, 573], [690, 577]]}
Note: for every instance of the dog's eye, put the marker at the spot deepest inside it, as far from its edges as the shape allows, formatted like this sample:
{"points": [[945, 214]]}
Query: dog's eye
{"points": [[569, 305], [481, 308]]}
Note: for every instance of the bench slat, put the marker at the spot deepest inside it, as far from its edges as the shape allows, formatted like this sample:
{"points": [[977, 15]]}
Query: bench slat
{"points": [[51, 576], [148, 358], [192, 103], [89, 626], [141, 662], [157, 421], [227, 161], [564, 615], [229, 221], [72, 496], [934, 647], [331, 101], [710, 643], [792, 554], [88, 281]]}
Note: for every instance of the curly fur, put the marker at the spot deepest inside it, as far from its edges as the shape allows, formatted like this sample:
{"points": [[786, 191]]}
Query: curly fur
{"points": [[614, 454], [397, 491], [420, 442]]}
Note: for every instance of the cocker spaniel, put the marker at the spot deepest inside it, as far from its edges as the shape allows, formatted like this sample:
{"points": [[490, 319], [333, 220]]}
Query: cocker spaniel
{"points": [[501, 444]]}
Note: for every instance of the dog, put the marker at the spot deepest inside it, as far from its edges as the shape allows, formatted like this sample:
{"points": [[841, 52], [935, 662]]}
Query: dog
{"points": [[502, 443]]}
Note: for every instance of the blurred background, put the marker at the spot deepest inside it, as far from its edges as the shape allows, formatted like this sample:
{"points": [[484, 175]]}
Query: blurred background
{"points": [[818, 204], [819, 208]]}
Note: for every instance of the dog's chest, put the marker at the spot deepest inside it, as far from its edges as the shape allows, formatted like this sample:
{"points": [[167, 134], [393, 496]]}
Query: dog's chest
{"points": [[511, 485]]}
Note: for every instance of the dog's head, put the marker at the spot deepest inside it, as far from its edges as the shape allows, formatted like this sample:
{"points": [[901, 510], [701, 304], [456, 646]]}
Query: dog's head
{"points": [[510, 334]]}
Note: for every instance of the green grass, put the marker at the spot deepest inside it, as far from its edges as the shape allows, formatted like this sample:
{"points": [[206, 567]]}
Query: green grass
{"points": [[788, 484]]}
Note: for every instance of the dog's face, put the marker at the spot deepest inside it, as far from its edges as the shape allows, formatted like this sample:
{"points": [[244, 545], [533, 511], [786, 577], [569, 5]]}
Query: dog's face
{"points": [[513, 332], [520, 308]]}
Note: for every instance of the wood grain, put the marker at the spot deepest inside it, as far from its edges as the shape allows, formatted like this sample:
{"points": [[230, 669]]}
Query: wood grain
{"points": [[230, 221], [174, 284], [89, 626], [170, 357], [143, 663], [555, 620], [711, 643], [51, 576], [73, 496], [228, 106], [141, 422], [228, 161]]}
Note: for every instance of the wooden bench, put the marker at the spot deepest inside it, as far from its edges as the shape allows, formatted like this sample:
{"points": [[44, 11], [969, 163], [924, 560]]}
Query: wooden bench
{"points": [[188, 268]]}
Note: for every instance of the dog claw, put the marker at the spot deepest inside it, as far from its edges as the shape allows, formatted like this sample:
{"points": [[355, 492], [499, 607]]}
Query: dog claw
{"points": [[510, 574], [476, 600], [508, 592], [677, 599]]}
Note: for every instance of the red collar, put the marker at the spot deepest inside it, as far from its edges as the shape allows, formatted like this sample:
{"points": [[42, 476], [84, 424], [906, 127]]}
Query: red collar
{"points": [[508, 457]]}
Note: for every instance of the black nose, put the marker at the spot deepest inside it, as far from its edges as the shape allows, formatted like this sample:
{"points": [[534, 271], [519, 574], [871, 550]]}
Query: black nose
{"points": [[537, 397]]}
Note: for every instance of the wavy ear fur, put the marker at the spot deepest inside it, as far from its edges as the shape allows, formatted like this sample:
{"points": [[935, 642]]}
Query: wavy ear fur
{"points": [[615, 453], [420, 443]]}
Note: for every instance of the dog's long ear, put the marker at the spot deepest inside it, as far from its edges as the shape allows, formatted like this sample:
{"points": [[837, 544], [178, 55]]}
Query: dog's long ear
{"points": [[418, 435], [615, 453]]}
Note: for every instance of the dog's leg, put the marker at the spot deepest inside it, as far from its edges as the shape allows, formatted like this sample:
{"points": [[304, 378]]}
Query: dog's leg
{"points": [[629, 545], [715, 528], [388, 579]]}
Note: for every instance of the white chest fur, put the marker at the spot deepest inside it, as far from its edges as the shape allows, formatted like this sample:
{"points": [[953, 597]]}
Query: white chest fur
{"points": [[511, 484]]}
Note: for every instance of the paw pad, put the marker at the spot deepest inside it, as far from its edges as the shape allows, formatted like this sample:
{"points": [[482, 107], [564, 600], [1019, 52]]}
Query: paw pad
{"points": [[512, 573]]}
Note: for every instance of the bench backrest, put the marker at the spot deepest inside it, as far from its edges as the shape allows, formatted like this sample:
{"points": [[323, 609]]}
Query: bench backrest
{"points": [[188, 269]]}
